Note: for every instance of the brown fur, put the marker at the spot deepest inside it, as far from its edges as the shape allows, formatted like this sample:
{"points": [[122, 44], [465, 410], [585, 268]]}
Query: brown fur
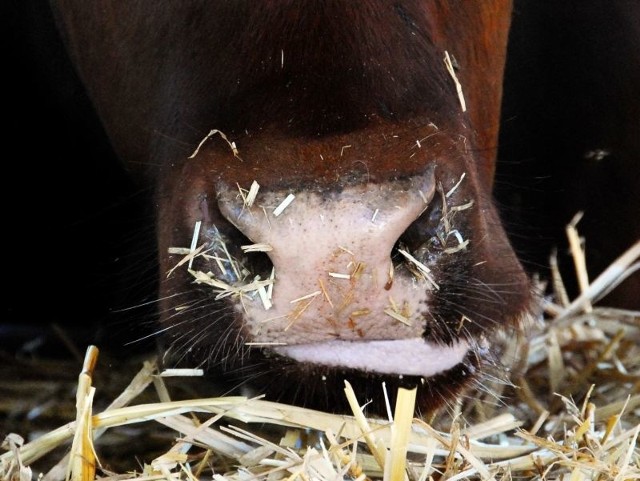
{"points": [[292, 82]]}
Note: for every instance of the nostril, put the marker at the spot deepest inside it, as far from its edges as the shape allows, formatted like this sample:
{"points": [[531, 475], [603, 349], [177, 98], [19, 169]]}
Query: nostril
{"points": [[419, 247], [424, 230], [217, 257], [437, 232], [223, 255]]}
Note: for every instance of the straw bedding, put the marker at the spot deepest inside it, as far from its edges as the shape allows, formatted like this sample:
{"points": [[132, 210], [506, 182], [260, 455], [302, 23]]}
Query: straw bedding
{"points": [[564, 406]]}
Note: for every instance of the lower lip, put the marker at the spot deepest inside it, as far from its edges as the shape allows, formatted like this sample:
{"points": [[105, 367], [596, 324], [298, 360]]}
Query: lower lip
{"points": [[404, 357]]}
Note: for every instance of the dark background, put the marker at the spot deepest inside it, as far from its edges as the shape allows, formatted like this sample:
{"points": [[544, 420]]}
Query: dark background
{"points": [[79, 248], [570, 134], [78, 234]]}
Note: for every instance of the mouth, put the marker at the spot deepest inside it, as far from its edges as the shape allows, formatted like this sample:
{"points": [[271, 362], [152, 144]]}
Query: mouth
{"points": [[391, 357]]}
